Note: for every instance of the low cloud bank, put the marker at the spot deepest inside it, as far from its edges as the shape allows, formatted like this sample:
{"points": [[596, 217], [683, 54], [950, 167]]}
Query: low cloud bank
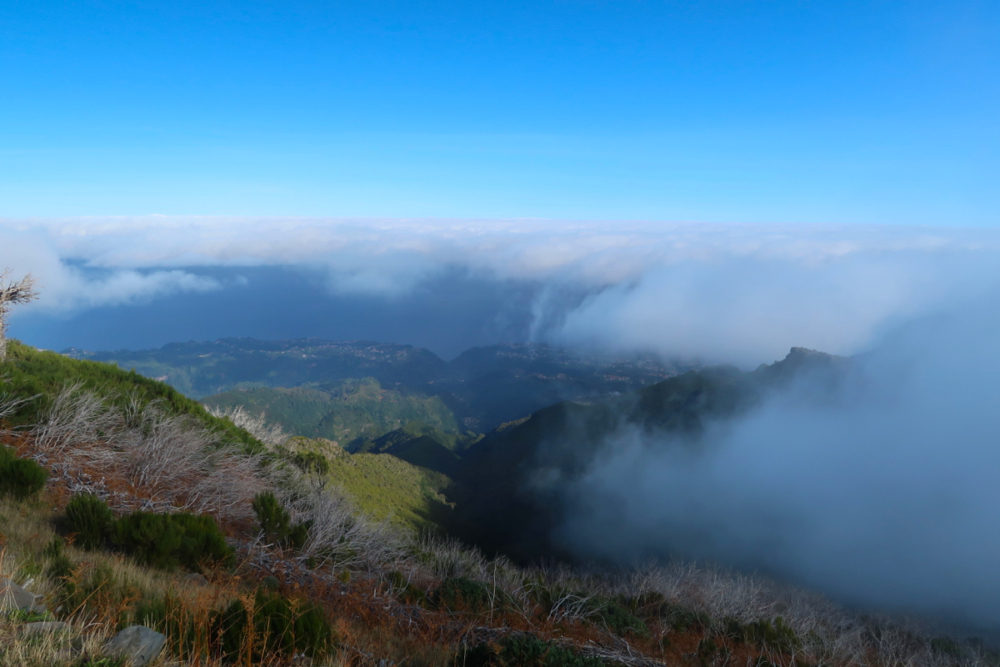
{"points": [[733, 293], [882, 494]]}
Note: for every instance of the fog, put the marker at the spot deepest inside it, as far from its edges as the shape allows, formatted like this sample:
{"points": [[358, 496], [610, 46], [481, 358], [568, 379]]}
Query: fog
{"points": [[883, 494], [718, 293]]}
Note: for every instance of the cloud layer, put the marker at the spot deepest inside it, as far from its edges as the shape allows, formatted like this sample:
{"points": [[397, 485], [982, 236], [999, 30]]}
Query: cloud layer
{"points": [[740, 293]]}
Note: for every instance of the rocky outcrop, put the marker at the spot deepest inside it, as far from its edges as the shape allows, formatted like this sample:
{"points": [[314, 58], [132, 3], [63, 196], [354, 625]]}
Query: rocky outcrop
{"points": [[136, 643]]}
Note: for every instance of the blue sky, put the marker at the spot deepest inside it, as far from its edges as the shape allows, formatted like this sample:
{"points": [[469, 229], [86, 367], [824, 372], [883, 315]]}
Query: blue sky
{"points": [[833, 112]]}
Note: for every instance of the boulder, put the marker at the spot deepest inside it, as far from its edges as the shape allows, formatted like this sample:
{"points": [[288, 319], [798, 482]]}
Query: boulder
{"points": [[136, 643], [16, 598]]}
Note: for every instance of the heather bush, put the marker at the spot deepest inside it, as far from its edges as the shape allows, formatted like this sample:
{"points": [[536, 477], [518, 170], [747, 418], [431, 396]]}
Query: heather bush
{"points": [[19, 478], [90, 520], [152, 539], [525, 650], [271, 623], [171, 540], [461, 594], [276, 523]]}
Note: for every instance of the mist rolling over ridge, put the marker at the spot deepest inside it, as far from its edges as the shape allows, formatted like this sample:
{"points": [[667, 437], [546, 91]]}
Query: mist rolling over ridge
{"points": [[879, 489]]}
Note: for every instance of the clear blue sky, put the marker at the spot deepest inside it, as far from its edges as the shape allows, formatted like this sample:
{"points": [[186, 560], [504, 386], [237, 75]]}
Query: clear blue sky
{"points": [[882, 112]]}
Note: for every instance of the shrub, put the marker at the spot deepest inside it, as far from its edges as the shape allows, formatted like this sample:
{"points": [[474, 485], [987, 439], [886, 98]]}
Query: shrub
{"points": [[19, 478], [274, 624], [201, 541], [527, 651], [404, 590], [151, 538], [311, 462], [169, 540], [617, 618], [90, 519], [461, 594], [59, 566], [276, 523], [775, 635]]}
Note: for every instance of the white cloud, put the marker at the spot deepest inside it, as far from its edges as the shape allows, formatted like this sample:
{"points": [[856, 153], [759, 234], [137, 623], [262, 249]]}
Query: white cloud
{"points": [[741, 293]]}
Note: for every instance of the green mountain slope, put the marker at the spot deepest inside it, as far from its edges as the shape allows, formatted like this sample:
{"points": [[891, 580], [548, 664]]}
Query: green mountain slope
{"points": [[483, 387], [382, 485], [343, 411], [38, 375]]}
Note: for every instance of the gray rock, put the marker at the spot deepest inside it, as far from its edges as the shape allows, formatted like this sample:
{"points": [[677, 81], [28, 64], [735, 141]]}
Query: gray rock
{"points": [[136, 643], [16, 598], [44, 628], [196, 579]]}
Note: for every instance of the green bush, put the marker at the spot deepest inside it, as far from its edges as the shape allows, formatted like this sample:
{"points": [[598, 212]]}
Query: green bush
{"points": [[276, 523], [153, 539], [314, 462], [201, 541], [278, 624], [171, 540], [90, 519], [461, 594], [774, 635], [524, 650], [58, 566], [617, 618], [404, 590], [19, 478]]}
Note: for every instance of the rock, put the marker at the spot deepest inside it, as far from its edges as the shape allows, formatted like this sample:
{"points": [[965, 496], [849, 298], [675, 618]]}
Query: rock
{"points": [[136, 643], [44, 628], [16, 598], [196, 579]]}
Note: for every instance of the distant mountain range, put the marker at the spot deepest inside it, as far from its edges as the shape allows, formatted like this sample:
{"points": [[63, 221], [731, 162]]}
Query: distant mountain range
{"points": [[483, 387]]}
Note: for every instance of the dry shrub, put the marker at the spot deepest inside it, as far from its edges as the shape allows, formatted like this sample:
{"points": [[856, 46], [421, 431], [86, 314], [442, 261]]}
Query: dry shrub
{"points": [[172, 461], [339, 535], [255, 425]]}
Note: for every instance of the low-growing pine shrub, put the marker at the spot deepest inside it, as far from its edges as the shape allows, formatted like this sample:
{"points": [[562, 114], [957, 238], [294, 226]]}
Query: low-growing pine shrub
{"points": [[153, 539], [276, 524], [201, 541], [273, 624], [89, 518], [171, 540], [404, 590], [58, 565], [524, 650], [617, 618], [19, 478], [461, 594], [311, 462], [775, 635]]}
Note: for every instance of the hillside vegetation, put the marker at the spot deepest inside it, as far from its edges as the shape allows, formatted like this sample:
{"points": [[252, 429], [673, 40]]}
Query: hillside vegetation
{"points": [[130, 480], [343, 412], [483, 387]]}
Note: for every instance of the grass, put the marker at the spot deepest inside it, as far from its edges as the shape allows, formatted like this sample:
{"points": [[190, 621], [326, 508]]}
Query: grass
{"points": [[382, 486]]}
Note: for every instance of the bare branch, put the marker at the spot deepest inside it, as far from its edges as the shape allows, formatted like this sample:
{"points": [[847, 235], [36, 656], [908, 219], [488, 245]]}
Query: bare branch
{"points": [[12, 293]]}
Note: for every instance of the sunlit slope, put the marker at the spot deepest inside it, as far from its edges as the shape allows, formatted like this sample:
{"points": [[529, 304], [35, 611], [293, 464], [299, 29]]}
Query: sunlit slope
{"points": [[380, 485], [343, 412]]}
